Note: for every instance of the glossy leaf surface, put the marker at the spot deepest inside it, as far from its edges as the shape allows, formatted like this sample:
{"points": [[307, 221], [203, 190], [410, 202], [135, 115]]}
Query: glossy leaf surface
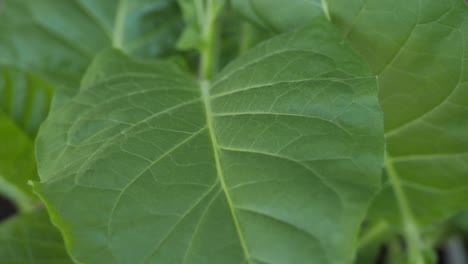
{"points": [[273, 162]]}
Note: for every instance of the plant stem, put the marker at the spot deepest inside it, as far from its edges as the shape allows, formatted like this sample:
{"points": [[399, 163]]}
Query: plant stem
{"points": [[208, 31], [246, 38], [411, 231]]}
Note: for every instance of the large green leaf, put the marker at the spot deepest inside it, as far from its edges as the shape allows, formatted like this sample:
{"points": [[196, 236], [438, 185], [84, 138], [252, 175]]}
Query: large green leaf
{"points": [[273, 162], [58, 39], [31, 238], [24, 103]]}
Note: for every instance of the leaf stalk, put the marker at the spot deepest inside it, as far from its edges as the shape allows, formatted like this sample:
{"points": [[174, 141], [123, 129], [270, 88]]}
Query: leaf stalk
{"points": [[208, 15]]}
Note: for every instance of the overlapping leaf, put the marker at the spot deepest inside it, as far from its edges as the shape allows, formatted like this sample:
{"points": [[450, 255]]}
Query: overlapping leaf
{"points": [[421, 60], [273, 162], [418, 51], [24, 103]]}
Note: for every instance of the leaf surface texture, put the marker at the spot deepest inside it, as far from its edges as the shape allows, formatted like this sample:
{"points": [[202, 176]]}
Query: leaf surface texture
{"points": [[418, 50]]}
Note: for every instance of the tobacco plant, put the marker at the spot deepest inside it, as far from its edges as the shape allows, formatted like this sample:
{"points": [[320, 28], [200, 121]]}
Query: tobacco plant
{"points": [[241, 131]]}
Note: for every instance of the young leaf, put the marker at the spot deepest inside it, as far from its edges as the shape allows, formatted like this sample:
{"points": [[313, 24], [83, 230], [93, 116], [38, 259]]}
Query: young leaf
{"points": [[272, 162], [31, 238], [190, 37], [57, 39]]}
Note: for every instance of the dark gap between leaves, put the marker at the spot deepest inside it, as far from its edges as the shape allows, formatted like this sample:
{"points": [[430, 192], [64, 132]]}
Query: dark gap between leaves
{"points": [[383, 252], [7, 208], [441, 255]]}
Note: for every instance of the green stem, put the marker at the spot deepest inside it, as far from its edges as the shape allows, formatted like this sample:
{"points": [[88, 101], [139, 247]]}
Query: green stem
{"points": [[411, 231], [208, 30]]}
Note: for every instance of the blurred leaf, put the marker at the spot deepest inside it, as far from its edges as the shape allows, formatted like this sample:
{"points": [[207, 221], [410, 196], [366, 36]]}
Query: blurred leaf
{"points": [[24, 103], [191, 36], [279, 15], [24, 98], [57, 39], [31, 238]]}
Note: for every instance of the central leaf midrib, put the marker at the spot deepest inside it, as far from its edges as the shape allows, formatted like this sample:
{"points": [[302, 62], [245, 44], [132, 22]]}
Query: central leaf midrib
{"points": [[205, 94]]}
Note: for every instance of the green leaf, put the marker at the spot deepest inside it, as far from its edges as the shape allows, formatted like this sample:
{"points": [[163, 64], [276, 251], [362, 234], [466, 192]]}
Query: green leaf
{"points": [[37, 36], [57, 39], [460, 221], [24, 98], [17, 164], [191, 36], [234, 35], [371, 242], [237, 36], [420, 58], [273, 162], [31, 238], [279, 16], [24, 103]]}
